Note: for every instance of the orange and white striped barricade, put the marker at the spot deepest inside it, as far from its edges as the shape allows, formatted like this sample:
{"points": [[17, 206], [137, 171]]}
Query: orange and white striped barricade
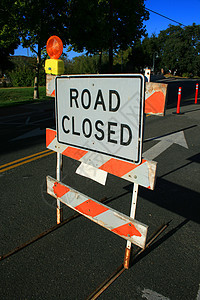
{"points": [[113, 105], [116, 222], [155, 95], [143, 174], [50, 85], [155, 98]]}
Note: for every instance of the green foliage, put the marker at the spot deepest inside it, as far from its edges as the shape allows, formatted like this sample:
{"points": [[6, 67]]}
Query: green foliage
{"points": [[103, 28], [84, 65], [179, 49], [187, 75], [87, 64], [9, 35], [93, 23], [36, 21], [23, 72], [176, 49], [21, 78], [41, 19], [121, 60], [105, 25]]}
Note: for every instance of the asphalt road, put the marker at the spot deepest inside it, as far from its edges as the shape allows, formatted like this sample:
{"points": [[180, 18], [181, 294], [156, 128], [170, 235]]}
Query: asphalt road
{"points": [[72, 261]]}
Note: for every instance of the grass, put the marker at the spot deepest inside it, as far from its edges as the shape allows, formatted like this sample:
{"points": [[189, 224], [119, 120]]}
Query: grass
{"points": [[24, 95]]}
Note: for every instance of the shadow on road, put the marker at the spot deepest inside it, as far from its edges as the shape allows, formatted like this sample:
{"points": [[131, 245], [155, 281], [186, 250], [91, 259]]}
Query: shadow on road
{"points": [[24, 126], [157, 243], [176, 198]]}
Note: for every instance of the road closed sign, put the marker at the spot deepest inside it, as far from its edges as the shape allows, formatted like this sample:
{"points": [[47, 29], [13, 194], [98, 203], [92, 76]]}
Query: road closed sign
{"points": [[101, 113]]}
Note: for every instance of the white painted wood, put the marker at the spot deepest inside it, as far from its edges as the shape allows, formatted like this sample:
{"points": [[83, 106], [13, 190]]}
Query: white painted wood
{"points": [[108, 218], [133, 207]]}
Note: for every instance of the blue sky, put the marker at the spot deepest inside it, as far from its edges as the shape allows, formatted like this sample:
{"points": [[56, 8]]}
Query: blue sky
{"points": [[183, 11]]}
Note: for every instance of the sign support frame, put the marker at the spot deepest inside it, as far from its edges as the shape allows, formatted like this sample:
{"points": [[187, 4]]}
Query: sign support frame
{"points": [[59, 163], [132, 215]]}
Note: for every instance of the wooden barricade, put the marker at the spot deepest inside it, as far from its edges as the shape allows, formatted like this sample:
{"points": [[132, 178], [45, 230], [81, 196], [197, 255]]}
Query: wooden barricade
{"points": [[142, 173]]}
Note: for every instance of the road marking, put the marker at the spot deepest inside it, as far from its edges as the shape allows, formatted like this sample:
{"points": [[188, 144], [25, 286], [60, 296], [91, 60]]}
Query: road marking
{"points": [[24, 160], [17, 115], [198, 294], [166, 142], [32, 133], [27, 120], [151, 295]]}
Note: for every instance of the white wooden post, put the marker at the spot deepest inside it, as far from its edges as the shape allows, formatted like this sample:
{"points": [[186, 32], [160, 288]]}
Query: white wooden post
{"points": [[132, 215], [58, 177]]}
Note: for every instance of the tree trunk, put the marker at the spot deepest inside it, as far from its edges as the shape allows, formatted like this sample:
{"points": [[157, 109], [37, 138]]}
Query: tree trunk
{"points": [[111, 38], [111, 60], [36, 80], [100, 62]]}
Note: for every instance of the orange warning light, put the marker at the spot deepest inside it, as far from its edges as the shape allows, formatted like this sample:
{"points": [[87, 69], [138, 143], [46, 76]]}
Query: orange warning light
{"points": [[54, 47]]}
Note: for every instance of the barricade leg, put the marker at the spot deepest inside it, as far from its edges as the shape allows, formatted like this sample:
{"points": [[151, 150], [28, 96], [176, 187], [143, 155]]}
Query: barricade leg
{"points": [[58, 177], [132, 215]]}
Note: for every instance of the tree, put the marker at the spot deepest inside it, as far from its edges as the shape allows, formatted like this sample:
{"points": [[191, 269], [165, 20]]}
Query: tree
{"points": [[37, 20], [9, 38], [85, 64], [192, 49], [151, 48], [22, 72], [171, 42], [121, 60], [137, 58], [106, 25], [180, 48]]}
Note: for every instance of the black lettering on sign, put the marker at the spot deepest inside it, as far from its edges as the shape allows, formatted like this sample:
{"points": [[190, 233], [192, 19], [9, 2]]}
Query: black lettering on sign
{"points": [[73, 96], [87, 128], [64, 124], [100, 100], [97, 124], [116, 98], [125, 128], [110, 132], [86, 100], [73, 128]]}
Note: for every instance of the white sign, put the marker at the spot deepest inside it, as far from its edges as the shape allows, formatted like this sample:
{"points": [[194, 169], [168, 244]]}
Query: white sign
{"points": [[101, 113]]}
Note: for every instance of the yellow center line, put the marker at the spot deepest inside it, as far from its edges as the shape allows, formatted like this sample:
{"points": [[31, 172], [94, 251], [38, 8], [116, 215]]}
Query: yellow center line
{"points": [[24, 160]]}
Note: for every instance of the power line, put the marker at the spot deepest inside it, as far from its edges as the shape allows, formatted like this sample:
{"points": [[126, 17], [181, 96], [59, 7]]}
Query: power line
{"points": [[164, 17]]}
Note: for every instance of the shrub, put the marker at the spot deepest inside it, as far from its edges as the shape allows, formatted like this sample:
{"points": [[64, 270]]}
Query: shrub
{"points": [[187, 75], [21, 77], [23, 72]]}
